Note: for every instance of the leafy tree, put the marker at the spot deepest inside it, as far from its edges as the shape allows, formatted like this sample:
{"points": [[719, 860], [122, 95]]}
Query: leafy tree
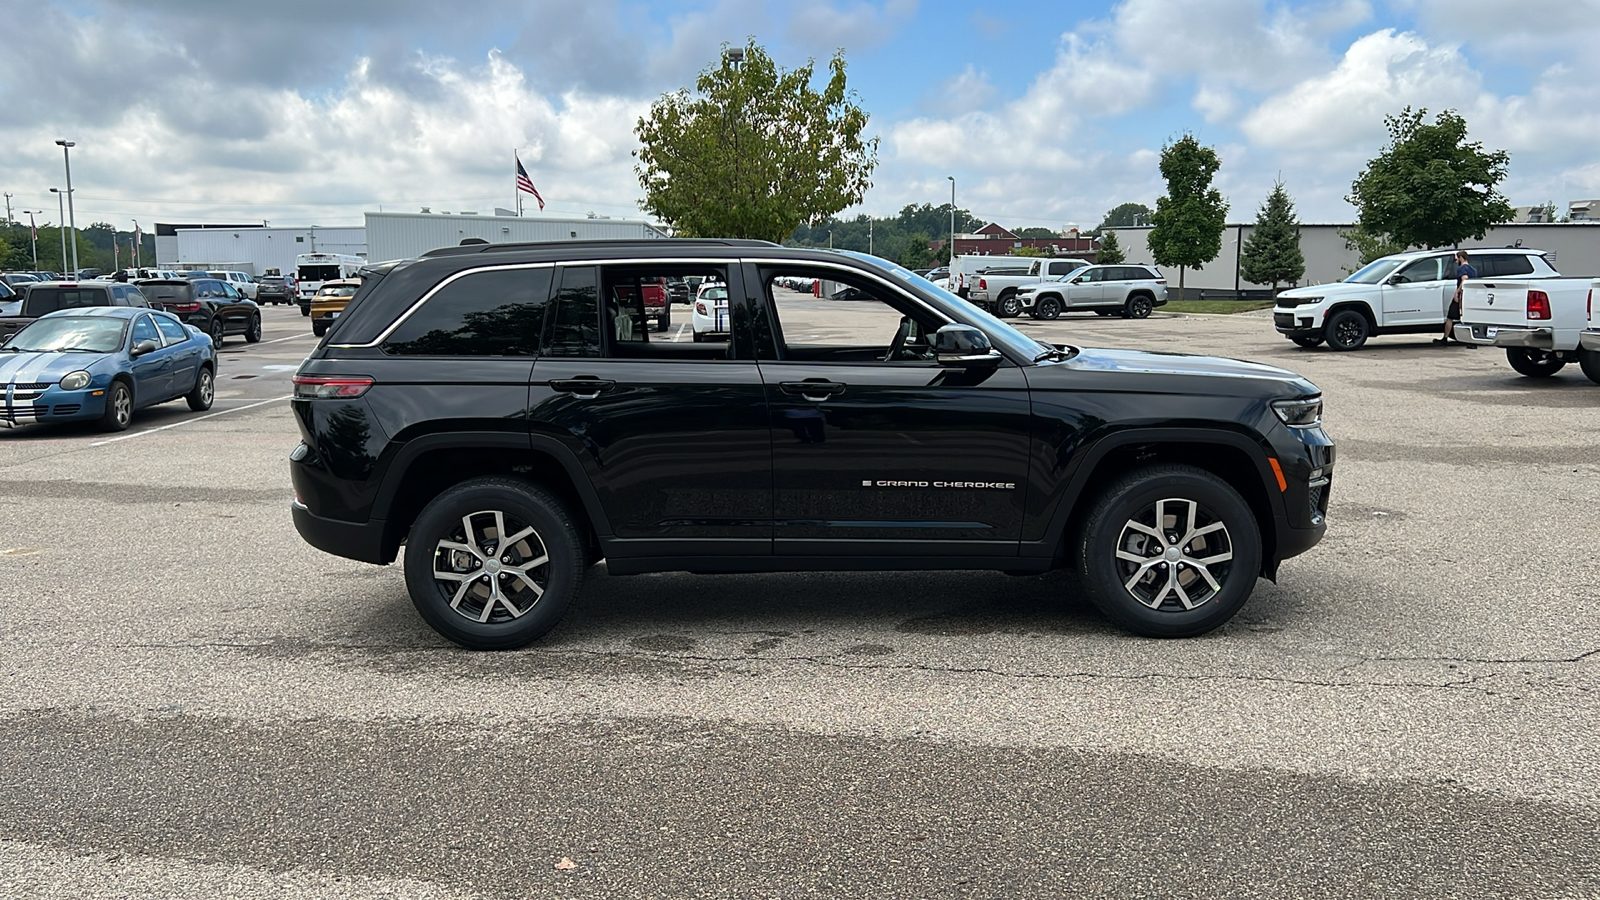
{"points": [[1035, 233], [1272, 255], [1125, 215], [1110, 250], [756, 152], [1189, 219], [1431, 187], [1029, 251], [1368, 246], [917, 255]]}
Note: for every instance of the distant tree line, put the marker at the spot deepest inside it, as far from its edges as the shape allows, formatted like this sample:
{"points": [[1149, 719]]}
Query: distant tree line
{"points": [[94, 247]]}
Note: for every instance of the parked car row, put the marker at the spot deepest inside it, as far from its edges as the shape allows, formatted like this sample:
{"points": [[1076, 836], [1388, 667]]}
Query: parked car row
{"points": [[209, 304]]}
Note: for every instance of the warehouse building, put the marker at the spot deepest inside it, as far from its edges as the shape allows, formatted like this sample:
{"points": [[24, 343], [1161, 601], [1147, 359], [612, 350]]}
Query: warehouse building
{"points": [[254, 249], [405, 235]]}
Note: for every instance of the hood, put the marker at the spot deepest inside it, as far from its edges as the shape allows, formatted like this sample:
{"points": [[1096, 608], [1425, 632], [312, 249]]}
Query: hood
{"points": [[1232, 376], [1333, 289], [48, 367]]}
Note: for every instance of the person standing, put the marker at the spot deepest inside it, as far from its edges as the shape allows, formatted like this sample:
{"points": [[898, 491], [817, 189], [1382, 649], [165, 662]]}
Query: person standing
{"points": [[1464, 270]]}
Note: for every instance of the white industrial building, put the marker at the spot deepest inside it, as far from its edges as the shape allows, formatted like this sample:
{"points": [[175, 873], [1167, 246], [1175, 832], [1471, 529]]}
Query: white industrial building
{"points": [[405, 235], [1573, 248], [255, 249]]}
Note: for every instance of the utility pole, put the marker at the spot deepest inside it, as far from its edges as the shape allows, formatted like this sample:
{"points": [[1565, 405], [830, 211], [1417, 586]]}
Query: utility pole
{"points": [[952, 220], [61, 226], [33, 232], [8, 208], [66, 158]]}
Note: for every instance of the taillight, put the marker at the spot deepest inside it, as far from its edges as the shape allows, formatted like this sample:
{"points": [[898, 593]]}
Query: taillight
{"points": [[330, 387], [983, 284], [184, 307], [1538, 305], [700, 308], [1590, 305]]}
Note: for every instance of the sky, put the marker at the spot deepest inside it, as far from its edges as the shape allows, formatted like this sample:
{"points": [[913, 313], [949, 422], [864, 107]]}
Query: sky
{"points": [[1047, 112]]}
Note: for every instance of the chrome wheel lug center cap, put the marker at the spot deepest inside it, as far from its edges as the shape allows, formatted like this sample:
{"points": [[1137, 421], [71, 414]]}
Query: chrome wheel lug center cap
{"points": [[1172, 554], [492, 566]]}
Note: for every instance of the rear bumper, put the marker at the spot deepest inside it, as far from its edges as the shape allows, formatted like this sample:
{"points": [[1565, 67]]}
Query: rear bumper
{"points": [[360, 541], [1506, 335], [1590, 339]]}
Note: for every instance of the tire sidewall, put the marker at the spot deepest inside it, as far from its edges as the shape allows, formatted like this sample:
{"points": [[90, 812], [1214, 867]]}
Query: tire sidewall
{"points": [[523, 501], [1133, 494], [1524, 362], [1049, 308], [200, 401], [1008, 307], [109, 420], [1331, 330], [1139, 307]]}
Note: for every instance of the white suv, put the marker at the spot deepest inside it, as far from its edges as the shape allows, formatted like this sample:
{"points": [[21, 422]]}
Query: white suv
{"points": [[1407, 293], [242, 282]]}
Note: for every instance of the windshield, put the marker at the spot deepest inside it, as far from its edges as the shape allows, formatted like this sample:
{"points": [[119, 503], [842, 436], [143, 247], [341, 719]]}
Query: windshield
{"points": [[319, 273], [97, 334], [1374, 272], [338, 290], [714, 293], [1001, 334]]}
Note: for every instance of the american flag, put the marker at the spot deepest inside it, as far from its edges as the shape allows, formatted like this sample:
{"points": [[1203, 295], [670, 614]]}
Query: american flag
{"points": [[524, 183]]}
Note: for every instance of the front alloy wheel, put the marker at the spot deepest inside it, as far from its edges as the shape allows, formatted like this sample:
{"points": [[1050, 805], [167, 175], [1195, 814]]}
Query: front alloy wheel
{"points": [[493, 563], [1047, 308], [1170, 551]]}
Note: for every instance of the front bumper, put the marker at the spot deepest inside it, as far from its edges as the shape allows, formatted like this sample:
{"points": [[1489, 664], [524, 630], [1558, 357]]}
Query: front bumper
{"points": [[52, 405], [1297, 322], [1530, 336], [1590, 339]]}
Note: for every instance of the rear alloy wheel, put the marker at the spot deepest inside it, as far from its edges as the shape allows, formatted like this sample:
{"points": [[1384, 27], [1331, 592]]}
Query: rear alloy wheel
{"points": [[1008, 307], [1170, 551], [1139, 306], [1347, 329], [494, 563], [119, 407], [253, 334], [1047, 308], [1589, 362], [1535, 363], [205, 391], [219, 331], [1307, 341]]}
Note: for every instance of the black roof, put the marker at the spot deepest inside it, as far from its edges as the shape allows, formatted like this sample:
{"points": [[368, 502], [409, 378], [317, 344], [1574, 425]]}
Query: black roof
{"points": [[653, 245]]}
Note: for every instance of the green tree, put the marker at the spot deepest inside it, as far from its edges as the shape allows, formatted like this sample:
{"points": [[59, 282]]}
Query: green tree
{"points": [[1125, 215], [1029, 251], [1431, 187], [1189, 219], [1110, 252], [1368, 246], [1035, 233], [756, 151], [1272, 255]]}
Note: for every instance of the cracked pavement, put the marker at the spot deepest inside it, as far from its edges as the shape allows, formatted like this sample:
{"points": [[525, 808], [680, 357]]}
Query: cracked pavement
{"points": [[193, 703]]}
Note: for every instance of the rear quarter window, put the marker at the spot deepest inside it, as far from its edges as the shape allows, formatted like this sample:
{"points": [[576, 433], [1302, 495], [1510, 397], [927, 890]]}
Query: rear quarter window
{"points": [[492, 313], [1503, 265]]}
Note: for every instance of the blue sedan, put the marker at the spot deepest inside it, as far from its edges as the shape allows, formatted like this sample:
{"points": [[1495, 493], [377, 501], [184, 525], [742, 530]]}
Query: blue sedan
{"points": [[103, 363]]}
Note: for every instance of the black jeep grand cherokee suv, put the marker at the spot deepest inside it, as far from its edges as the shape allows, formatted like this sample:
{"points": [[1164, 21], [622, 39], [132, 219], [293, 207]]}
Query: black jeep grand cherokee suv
{"points": [[502, 412]]}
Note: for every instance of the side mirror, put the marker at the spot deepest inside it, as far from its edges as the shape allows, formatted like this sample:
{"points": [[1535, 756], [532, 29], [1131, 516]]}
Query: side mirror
{"points": [[144, 347], [964, 346], [1395, 279]]}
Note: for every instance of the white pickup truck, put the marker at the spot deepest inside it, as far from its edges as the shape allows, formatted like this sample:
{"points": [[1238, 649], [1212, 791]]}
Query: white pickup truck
{"points": [[1539, 321], [997, 293], [1589, 341], [1407, 293]]}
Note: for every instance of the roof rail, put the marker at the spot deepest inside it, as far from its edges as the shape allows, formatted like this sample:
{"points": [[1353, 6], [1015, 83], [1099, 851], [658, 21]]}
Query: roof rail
{"points": [[597, 244]]}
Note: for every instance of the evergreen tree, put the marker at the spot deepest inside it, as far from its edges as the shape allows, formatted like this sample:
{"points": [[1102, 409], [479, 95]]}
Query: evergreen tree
{"points": [[1272, 255], [1189, 219], [1110, 250]]}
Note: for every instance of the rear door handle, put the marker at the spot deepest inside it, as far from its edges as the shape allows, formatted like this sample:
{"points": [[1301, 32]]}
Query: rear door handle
{"points": [[815, 391], [584, 388]]}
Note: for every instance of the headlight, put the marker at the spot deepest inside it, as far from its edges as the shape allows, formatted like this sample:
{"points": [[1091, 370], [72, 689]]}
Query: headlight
{"points": [[75, 381], [1303, 413]]}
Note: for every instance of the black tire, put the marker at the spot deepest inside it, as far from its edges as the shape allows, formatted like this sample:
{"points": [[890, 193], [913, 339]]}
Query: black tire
{"points": [[119, 407], [1166, 606], [1008, 306], [1347, 329], [1534, 363], [252, 334], [1139, 306], [305, 310], [319, 328], [219, 330], [515, 615], [1307, 342], [204, 391], [1047, 308], [1589, 362]]}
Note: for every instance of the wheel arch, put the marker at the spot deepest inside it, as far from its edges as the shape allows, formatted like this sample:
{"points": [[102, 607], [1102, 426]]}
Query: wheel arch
{"points": [[1235, 458], [1360, 306], [425, 467]]}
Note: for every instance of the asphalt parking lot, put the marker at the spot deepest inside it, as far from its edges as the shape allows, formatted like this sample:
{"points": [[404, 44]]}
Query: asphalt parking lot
{"points": [[197, 704]]}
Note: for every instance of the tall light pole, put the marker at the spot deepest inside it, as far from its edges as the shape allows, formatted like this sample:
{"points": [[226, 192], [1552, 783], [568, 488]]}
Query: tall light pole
{"points": [[33, 232], [66, 158], [869, 237], [137, 241], [61, 226], [952, 218], [830, 239]]}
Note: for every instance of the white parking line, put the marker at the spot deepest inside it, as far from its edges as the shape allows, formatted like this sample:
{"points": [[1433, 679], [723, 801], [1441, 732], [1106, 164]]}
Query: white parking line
{"points": [[292, 337], [678, 337], [190, 421]]}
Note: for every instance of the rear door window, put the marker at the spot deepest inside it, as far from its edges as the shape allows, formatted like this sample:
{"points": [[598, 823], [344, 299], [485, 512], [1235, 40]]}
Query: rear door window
{"points": [[575, 326], [171, 331], [493, 313], [145, 330]]}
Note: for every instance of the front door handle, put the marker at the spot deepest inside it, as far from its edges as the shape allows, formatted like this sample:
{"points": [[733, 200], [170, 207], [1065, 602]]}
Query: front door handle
{"points": [[584, 387], [815, 391]]}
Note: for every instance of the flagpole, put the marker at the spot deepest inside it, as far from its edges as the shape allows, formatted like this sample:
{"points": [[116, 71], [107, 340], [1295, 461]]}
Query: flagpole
{"points": [[516, 194]]}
